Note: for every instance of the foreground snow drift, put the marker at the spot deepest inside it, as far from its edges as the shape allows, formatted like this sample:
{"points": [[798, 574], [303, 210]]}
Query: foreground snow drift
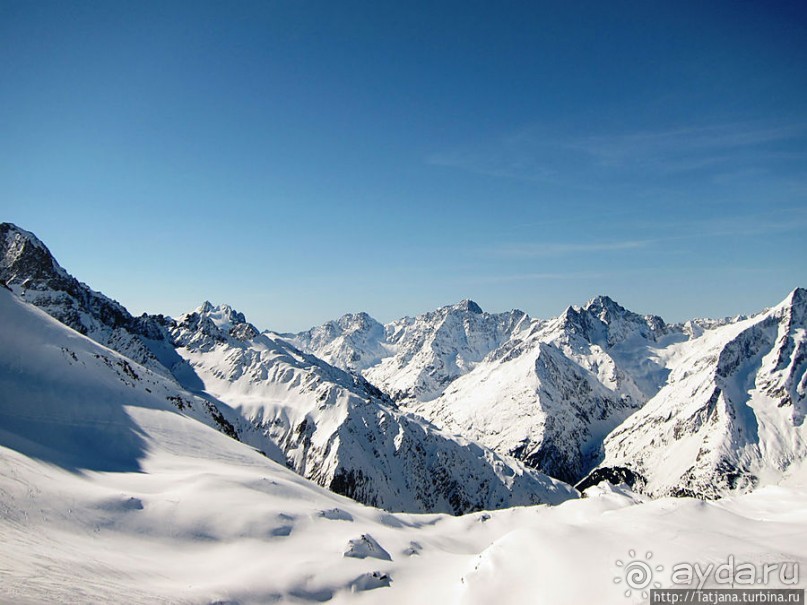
{"points": [[209, 521]]}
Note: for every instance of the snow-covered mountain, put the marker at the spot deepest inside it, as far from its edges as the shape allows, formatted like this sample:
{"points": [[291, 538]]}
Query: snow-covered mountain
{"points": [[67, 400], [731, 414], [354, 342], [331, 426], [340, 431], [596, 387], [31, 271], [413, 358], [110, 490], [547, 392], [550, 395]]}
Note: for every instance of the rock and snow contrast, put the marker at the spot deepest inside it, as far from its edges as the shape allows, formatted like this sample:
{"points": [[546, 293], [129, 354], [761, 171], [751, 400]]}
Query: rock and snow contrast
{"points": [[335, 428], [414, 358], [29, 269], [199, 460], [731, 414], [551, 394], [601, 389], [329, 425]]}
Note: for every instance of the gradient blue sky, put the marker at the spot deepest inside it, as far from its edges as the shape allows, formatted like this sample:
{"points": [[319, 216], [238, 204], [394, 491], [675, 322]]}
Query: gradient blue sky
{"points": [[299, 160]]}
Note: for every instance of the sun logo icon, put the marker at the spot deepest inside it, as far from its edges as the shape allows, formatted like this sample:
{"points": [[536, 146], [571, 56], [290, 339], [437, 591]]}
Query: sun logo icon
{"points": [[637, 574]]}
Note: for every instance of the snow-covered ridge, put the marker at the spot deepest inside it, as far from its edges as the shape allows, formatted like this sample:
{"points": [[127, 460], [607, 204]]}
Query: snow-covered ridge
{"points": [[731, 415], [547, 392], [414, 358], [340, 431], [29, 269], [65, 397], [550, 392], [114, 481], [329, 425], [598, 386]]}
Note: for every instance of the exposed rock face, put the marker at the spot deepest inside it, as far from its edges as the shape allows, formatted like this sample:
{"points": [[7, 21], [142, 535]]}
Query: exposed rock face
{"points": [[31, 272]]}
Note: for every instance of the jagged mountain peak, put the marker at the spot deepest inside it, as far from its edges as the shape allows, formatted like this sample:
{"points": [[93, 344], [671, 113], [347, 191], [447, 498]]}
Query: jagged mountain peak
{"points": [[605, 305], [357, 322], [25, 257], [730, 415], [796, 303], [224, 316], [467, 305], [205, 307], [213, 323], [12, 230], [605, 322], [30, 271]]}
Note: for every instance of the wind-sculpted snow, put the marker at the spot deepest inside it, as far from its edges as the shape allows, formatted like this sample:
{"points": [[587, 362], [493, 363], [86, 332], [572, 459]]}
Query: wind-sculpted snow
{"points": [[731, 415], [340, 431], [210, 521]]}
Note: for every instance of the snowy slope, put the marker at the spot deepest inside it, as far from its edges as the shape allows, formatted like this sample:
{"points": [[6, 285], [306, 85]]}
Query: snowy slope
{"points": [[731, 415], [117, 485], [64, 396], [29, 269], [532, 402], [340, 431], [208, 521]]}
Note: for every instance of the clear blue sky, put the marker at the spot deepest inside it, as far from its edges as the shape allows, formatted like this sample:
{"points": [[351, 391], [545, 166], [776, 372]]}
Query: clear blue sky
{"points": [[299, 160]]}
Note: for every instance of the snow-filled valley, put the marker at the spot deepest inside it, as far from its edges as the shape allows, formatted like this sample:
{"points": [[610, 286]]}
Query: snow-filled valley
{"points": [[198, 460]]}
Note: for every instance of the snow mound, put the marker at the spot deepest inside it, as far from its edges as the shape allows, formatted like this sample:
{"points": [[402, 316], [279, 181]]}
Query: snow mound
{"points": [[364, 547]]}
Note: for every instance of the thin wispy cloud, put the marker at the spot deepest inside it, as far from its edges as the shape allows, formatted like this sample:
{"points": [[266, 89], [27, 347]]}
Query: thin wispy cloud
{"points": [[756, 224], [503, 163], [664, 238], [685, 149], [557, 249], [537, 277], [543, 154]]}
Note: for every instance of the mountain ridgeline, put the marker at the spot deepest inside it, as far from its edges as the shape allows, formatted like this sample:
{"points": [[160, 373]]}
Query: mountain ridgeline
{"points": [[331, 426], [458, 409]]}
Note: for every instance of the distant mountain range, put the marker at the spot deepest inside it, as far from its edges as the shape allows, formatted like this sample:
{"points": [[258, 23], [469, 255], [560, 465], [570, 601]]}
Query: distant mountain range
{"points": [[458, 409], [329, 425]]}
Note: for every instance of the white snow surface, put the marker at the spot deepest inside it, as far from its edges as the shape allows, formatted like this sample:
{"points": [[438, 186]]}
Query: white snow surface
{"points": [[109, 492]]}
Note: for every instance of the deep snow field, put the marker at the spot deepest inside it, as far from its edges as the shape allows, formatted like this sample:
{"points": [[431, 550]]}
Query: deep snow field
{"points": [[108, 493], [206, 520]]}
